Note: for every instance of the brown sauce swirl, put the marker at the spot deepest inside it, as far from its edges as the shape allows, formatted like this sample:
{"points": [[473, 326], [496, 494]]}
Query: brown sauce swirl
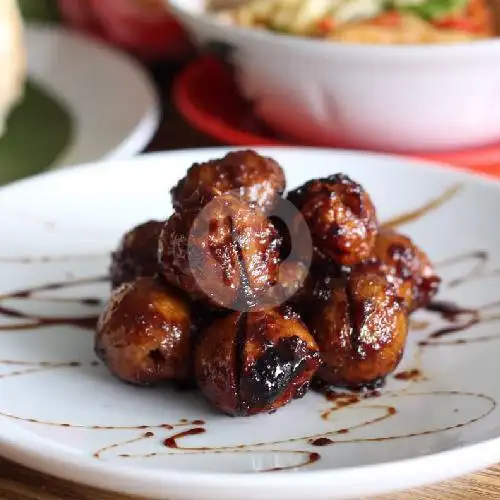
{"points": [[171, 442], [459, 319], [425, 209], [412, 374], [33, 321]]}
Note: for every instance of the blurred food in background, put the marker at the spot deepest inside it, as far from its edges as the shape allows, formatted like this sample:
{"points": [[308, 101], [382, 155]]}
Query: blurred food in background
{"points": [[364, 21], [12, 59], [144, 28], [39, 10]]}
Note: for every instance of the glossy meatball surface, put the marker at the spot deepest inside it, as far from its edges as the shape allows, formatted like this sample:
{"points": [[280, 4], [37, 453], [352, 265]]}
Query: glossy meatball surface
{"points": [[226, 254], [407, 267], [257, 362], [257, 179], [361, 330], [341, 217], [316, 288], [137, 254], [144, 334]]}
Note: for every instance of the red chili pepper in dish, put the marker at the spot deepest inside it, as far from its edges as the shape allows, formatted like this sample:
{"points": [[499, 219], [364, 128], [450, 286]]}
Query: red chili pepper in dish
{"points": [[326, 25], [390, 19], [456, 23], [477, 18]]}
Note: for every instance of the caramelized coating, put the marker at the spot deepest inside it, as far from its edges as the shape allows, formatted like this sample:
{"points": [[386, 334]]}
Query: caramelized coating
{"points": [[144, 334], [137, 254], [257, 179], [316, 287], [226, 254], [257, 362], [341, 217], [227, 259], [407, 267], [292, 275], [361, 331]]}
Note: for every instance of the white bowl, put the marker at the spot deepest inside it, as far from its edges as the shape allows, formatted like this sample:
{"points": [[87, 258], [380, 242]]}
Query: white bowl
{"points": [[397, 98]]}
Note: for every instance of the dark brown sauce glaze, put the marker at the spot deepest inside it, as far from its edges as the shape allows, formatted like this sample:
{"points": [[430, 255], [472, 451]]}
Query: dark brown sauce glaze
{"points": [[462, 318], [412, 374], [84, 322], [443, 332], [171, 442], [96, 427], [419, 325], [342, 398], [348, 398], [27, 367], [146, 435], [61, 285], [449, 310], [451, 313], [322, 442], [311, 459], [46, 259], [422, 211], [326, 439], [471, 317], [34, 321], [431, 431], [479, 260], [35, 367]]}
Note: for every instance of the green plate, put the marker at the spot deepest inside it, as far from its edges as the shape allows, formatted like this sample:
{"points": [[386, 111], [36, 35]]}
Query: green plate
{"points": [[38, 131]]}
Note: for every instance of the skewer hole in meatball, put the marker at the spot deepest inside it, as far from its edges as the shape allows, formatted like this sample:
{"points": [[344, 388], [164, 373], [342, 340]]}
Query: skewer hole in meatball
{"points": [[361, 330], [226, 254], [256, 362]]}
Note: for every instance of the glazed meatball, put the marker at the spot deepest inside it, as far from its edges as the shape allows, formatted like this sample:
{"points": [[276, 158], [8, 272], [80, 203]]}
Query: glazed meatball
{"points": [[257, 362], [144, 334], [315, 288], [407, 267], [137, 254], [291, 278], [257, 179], [361, 331], [341, 217], [227, 254]]}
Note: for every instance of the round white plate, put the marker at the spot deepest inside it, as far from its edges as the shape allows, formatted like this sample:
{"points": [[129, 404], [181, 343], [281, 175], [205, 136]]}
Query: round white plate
{"points": [[110, 96], [62, 413]]}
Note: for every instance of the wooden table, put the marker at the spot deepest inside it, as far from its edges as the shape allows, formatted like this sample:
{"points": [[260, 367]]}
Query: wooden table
{"points": [[19, 483]]}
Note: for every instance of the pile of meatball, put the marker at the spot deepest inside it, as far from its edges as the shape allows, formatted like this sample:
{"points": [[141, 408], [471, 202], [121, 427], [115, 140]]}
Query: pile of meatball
{"points": [[188, 304]]}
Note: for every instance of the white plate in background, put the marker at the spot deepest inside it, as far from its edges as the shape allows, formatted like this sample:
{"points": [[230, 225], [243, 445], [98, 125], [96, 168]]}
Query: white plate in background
{"points": [[111, 97]]}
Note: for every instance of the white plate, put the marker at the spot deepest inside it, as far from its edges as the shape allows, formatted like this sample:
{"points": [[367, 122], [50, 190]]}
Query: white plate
{"points": [[110, 96], [60, 227]]}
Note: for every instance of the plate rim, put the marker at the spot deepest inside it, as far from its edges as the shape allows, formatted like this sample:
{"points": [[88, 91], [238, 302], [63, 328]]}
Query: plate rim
{"points": [[30, 451], [144, 129], [442, 168]]}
